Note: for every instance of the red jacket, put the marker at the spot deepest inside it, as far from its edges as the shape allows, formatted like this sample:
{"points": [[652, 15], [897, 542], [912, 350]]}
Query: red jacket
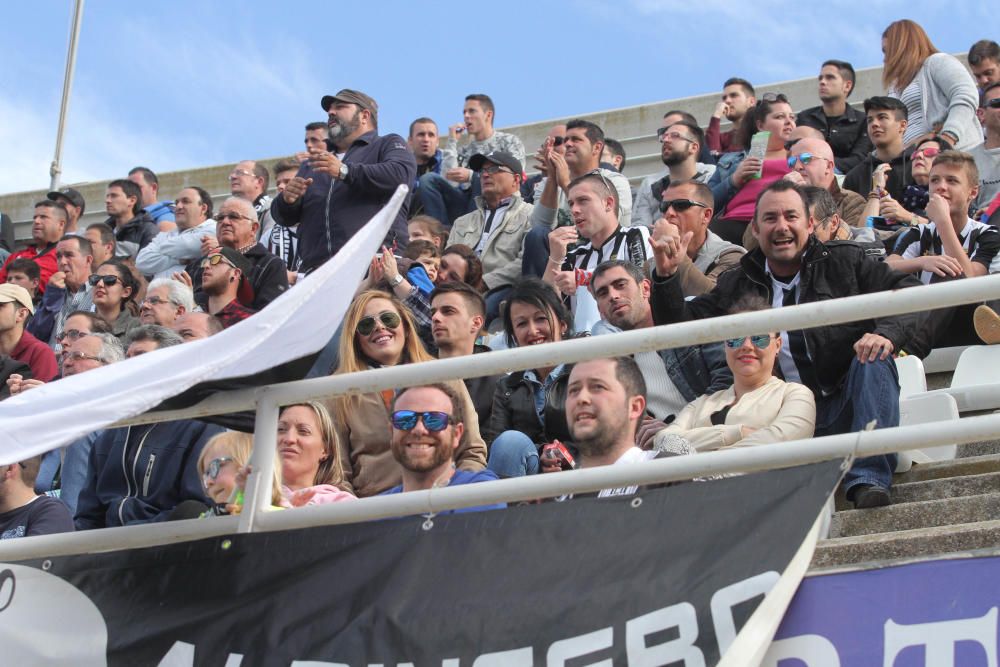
{"points": [[46, 261]]}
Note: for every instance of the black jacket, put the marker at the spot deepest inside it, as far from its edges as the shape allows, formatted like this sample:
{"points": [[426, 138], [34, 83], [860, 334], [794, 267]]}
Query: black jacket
{"points": [[859, 179], [269, 277], [332, 211], [828, 272], [134, 235], [481, 390], [514, 409], [847, 135]]}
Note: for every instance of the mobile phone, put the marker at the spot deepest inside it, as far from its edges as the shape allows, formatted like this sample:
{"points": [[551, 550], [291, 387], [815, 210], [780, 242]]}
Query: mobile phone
{"points": [[758, 149]]}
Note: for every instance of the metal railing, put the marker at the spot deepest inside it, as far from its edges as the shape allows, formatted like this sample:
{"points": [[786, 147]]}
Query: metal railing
{"points": [[267, 401]]}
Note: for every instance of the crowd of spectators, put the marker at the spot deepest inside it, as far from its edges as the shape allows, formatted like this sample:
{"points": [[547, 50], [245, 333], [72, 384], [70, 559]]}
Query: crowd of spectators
{"points": [[778, 208]]}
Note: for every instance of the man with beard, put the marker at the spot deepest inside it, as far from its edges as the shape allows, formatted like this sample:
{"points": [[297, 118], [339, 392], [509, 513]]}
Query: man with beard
{"points": [[844, 128], [738, 97], [673, 153], [223, 277], [237, 229], [605, 402], [335, 194], [427, 426]]}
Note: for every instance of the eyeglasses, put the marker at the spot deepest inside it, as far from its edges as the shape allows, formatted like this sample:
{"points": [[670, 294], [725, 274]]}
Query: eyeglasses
{"points": [[494, 169], [212, 260], [930, 151], [155, 301], [760, 341], [663, 134], [214, 467], [230, 216], [388, 318], [107, 280], [72, 334], [76, 355], [992, 104], [406, 420], [240, 172], [804, 158], [679, 205]]}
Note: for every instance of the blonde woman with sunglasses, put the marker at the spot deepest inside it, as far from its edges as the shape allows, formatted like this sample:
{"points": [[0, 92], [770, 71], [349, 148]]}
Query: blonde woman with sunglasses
{"points": [[379, 332]]}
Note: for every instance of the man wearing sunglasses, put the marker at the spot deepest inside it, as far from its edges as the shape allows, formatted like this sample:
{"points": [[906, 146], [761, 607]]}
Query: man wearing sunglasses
{"points": [[849, 367], [987, 154], [497, 226], [224, 280], [812, 163], [687, 206], [427, 427], [843, 127], [236, 227]]}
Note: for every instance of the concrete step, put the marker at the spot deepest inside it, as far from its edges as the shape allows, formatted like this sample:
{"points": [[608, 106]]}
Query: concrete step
{"points": [[906, 544], [949, 487], [915, 515], [972, 465], [984, 448]]}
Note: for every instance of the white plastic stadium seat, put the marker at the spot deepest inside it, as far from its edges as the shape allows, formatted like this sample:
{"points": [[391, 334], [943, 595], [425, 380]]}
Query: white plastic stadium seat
{"points": [[911, 376], [943, 359], [923, 409]]}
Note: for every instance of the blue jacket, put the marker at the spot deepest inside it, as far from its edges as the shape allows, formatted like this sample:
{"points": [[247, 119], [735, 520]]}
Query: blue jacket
{"points": [[138, 474], [721, 182], [332, 211]]}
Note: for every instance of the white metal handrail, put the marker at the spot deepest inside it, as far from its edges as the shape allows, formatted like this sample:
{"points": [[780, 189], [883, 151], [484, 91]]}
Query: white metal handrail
{"points": [[737, 460]]}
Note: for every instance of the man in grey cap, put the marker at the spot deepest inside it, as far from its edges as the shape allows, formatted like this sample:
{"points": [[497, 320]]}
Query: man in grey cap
{"points": [[338, 190], [74, 203], [496, 228]]}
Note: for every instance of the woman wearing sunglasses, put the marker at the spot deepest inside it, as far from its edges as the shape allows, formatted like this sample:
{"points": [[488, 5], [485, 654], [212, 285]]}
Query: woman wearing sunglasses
{"points": [[735, 183], [529, 406], [113, 289], [758, 409], [379, 332], [909, 210]]}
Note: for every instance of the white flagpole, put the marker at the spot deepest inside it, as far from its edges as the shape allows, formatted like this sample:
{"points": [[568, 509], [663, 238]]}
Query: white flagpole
{"points": [[56, 169]]}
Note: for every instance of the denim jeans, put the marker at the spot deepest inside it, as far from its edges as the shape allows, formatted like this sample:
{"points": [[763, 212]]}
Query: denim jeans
{"points": [[871, 392], [536, 252], [443, 201], [513, 454]]}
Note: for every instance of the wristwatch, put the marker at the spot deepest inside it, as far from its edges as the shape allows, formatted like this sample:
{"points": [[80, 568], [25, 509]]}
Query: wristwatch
{"points": [[343, 171], [398, 279]]}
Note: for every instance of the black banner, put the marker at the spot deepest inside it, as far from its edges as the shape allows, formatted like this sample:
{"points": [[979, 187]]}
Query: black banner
{"points": [[649, 579]]}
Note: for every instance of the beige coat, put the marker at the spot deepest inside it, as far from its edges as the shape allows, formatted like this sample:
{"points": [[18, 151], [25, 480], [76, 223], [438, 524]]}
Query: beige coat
{"points": [[502, 254], [364, 434], [779, 411]]}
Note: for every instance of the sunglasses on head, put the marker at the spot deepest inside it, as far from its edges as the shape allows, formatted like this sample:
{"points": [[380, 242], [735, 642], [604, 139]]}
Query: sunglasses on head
{"points": [[214, 467], [930, 151], [679, 205], [388, 318], [804, 158], [107, 280], [406, 420], [774, 97], [212, 260], [760, 341]]}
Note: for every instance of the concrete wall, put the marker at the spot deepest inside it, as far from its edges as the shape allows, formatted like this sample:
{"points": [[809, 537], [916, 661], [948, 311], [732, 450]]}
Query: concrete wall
{"points": [[634, 126]]}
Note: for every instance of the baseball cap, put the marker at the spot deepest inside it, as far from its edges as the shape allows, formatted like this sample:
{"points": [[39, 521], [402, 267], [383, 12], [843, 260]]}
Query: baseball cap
{"points": [[244, 293], [502, 158], [72, 195], [351, 97], [11, 293]]}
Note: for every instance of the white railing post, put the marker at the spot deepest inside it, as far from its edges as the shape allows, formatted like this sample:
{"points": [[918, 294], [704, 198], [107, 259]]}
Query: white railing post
{"points": [[257, 497]]}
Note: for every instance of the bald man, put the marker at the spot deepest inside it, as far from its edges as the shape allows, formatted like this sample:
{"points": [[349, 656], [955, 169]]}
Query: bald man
{"points": [[814, 165]]}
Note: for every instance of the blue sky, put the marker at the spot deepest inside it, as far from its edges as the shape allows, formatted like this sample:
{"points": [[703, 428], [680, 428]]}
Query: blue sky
{"points": [[175, 85]]}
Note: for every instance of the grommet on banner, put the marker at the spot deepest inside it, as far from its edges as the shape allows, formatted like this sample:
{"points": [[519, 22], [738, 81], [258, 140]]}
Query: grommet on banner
{"points": [[636, 502], [427, 524], [46, 565]]}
